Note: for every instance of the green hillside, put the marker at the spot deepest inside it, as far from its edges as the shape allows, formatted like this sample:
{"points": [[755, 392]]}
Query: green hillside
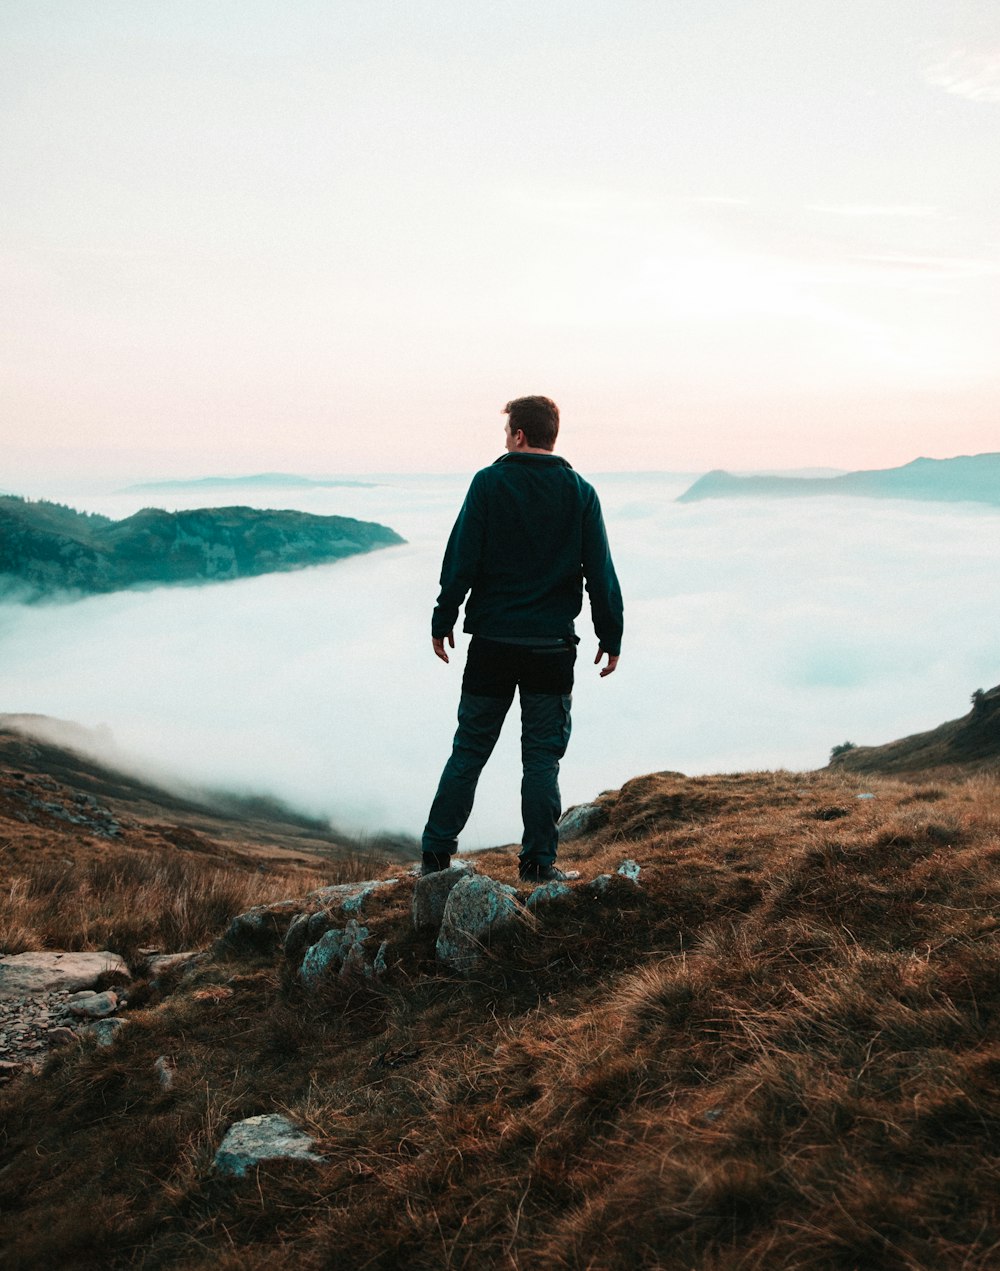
{"points": [[47, 548]]}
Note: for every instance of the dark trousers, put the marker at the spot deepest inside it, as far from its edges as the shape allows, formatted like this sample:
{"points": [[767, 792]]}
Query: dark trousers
{"points": [[493, 671]]}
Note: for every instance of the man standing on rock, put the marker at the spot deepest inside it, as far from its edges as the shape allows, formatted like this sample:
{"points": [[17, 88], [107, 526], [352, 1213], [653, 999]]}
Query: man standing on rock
{"points": [[529, 534]]}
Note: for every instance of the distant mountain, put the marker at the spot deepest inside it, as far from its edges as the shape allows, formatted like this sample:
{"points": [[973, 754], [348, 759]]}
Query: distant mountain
{"points": [[46, 547], [260, 480], [974, 739], [964, 479]]}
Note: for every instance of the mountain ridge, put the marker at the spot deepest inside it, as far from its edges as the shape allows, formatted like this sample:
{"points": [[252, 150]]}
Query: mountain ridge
{"points": [[961, 479]]}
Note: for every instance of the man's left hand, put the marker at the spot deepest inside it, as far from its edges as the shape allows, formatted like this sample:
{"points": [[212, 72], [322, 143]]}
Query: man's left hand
{"points": [[439, 648]]}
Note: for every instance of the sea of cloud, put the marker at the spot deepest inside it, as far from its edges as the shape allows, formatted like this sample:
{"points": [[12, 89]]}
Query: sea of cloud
{"points": [[758, 635]]}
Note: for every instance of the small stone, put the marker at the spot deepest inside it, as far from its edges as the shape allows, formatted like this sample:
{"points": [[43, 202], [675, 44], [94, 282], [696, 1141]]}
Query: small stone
{"points": [[61, 1036], [629, 869], [160, 963], [97, 1006], [263, 1138], [600, 884], [165, 1068], [104, 1031]]}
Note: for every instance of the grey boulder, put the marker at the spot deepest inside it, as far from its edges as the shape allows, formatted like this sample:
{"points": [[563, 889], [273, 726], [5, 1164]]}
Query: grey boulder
{"points": [[337, 953], [22, 974], [430, 895], [476, 906], [582, 819]]}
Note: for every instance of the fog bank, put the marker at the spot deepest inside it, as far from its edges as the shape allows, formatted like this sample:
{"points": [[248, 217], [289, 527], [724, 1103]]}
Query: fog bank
{"points": [[757, 635]]}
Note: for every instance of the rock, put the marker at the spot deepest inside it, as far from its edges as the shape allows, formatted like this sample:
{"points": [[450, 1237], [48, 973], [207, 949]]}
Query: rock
{"points": [[262, 928], [351, 896], [548, 891], [379, 963], [104, 1031], [263, 1138], [297, 938], [92, 1005], [165, 1068], [318, 925], [430, 895], [582, 819], [160, 963], [600, 884], [61, 1036], [476, 905], [22, 974], [629, 869], [337, 952]]}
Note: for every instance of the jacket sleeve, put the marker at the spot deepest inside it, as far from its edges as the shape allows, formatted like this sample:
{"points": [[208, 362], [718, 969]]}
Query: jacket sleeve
{"points": [[462, 559], [601, 579]]}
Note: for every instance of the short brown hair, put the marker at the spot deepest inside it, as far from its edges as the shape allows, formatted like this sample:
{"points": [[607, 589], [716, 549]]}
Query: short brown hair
{"points": [[538, 419]]}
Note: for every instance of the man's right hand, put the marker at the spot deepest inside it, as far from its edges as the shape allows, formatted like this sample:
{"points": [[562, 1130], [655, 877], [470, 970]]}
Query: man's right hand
{"points": [[612, 662], [440, 650]]}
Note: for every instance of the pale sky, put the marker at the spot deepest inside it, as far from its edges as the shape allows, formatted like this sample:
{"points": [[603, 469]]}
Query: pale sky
{"points": [[247, 235]]}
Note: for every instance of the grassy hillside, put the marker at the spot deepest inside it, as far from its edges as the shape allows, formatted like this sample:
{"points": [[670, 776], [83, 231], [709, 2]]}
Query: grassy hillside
{"points": [[47, 547], [780, 1051], [967, 743]]}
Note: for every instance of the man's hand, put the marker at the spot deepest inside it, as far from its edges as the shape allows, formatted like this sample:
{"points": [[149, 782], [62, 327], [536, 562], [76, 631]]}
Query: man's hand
{"points": [[439, 648], [605, 670]]}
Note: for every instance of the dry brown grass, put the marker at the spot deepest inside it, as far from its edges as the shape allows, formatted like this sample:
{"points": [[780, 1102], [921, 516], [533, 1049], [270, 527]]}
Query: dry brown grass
{"points": [[122, 898], [781, 1052]]}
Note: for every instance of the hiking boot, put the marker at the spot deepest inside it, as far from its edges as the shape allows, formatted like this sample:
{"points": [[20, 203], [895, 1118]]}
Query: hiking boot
{"points": [[533, 872], [434, 862]]}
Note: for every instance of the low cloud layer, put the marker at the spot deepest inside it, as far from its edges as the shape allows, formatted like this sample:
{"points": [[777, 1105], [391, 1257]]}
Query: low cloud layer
{"points": [[758, 635]]}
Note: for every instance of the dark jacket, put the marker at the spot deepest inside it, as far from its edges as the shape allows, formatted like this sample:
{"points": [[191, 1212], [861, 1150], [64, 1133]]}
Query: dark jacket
{"points": [[529, 533]]}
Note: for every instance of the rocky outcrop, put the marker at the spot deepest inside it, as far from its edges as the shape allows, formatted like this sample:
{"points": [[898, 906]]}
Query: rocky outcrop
{"points": [[477, 905], [430, 895], [340, 953], [262, 928]]}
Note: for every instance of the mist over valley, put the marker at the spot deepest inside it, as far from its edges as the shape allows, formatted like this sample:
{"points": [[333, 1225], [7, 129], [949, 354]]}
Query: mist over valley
{"points": [[758, 635]]}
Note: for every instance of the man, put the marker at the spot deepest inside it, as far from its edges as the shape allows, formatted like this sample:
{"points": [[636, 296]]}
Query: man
{"points": [[529, 533]]}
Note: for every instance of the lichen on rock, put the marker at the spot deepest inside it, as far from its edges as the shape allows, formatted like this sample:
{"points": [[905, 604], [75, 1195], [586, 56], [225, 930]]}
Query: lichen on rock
{"points": [[476, 905]]}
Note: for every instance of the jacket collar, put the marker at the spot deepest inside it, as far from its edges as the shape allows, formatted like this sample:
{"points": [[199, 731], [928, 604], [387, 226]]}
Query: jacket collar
{"points": [[519, 456]]}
